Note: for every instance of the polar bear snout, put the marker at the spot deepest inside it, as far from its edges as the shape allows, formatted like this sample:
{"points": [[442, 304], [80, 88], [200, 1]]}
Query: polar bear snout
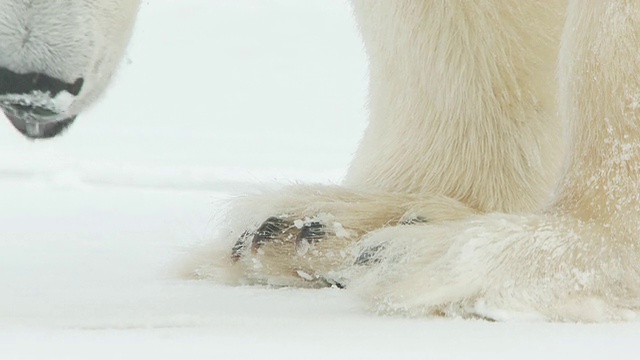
{"points": [[58, 57], [37, 104]]}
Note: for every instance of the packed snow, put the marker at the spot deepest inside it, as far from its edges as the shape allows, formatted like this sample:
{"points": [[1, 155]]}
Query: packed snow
{"points": [[214, 97]]}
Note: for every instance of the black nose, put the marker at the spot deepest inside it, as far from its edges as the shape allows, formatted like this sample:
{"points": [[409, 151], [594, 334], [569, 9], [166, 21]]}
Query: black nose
{"points": [[17, 84]]}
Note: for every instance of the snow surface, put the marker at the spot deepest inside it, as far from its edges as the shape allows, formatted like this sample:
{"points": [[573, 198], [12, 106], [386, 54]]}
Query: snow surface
{"points": [[215, 95]]}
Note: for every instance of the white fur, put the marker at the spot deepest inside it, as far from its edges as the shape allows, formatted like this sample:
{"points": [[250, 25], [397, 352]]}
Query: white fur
{"points": [[462, 100], [67, 39], [465, 132]]}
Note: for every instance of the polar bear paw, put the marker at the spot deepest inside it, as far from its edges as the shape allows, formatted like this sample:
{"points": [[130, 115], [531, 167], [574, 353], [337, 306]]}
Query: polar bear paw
{"points": [[303, 235], [499, 267], [294, 250]]}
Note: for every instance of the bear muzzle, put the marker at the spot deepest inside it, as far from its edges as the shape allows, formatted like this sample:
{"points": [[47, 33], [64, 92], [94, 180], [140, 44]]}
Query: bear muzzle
{"points": [[37, 104]]}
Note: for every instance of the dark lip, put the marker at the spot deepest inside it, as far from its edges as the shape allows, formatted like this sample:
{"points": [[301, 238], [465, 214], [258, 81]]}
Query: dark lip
{"points": [[16, 83], [31, 125]]}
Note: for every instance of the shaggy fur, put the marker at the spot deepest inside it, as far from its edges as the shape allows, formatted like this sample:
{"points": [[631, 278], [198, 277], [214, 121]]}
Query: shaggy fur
{"points": [[446, 209]]}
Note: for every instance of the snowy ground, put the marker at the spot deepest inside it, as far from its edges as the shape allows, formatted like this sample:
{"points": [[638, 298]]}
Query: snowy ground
{"points": [[215, 95]]}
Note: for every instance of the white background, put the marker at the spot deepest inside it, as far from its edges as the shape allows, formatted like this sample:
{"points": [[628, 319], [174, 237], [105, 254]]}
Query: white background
{"points": [[214, 95]]}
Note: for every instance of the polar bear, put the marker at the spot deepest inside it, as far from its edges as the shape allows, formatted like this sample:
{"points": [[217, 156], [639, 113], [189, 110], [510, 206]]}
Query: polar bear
{"points": [[57, 57], [498, 176]]}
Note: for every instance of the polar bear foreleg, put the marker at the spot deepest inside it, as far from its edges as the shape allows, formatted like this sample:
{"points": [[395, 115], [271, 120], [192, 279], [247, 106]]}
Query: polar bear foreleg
{"points": [[576, 260], [462, 100]]}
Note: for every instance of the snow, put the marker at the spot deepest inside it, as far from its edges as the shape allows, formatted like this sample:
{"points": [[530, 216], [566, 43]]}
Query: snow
{"points": [[215, 95]]}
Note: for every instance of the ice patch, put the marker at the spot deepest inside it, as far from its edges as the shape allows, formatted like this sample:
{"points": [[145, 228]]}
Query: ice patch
{"points": [[304, 275], [340, 231], [483, 310]]}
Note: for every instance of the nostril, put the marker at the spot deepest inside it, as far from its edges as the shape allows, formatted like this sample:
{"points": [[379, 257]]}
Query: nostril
{"points": [[15, 83]]}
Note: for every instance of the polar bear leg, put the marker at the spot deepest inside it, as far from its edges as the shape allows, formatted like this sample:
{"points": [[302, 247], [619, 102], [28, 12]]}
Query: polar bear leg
{"points": [[578, 259], [461, 107], [462, 100]]}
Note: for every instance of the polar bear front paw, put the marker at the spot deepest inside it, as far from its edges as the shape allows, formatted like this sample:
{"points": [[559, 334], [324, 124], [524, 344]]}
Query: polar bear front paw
{"points": [[303, 235], [286, 246]]}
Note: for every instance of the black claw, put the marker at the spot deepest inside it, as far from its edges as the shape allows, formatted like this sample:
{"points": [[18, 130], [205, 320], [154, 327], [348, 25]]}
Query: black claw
{"points": [[413, 221], [369, 256], [239, 246], [337, 284], [311, 232], [268, 231]]}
